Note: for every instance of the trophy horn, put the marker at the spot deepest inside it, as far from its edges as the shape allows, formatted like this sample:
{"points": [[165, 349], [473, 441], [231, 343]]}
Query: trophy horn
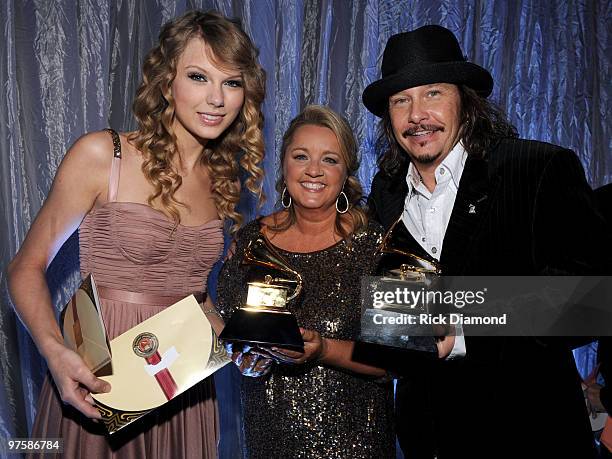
{"points": [[394, 242], [264, 318], [261, 253]]}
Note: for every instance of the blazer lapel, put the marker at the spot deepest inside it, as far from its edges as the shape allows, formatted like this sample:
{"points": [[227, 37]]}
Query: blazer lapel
{"points": [[472, 204]]}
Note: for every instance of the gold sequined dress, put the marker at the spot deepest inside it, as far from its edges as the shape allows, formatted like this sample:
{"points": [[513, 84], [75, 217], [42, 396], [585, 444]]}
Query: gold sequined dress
{"points": [[310, 410]]}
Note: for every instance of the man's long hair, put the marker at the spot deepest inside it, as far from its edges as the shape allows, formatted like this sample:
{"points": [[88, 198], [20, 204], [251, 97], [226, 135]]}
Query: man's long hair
{"points": [[482, 125]]}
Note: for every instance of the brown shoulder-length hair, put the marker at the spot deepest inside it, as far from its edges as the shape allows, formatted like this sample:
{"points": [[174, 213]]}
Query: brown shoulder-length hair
{"points": [[483, 124], [241, 144], [319, 115]]}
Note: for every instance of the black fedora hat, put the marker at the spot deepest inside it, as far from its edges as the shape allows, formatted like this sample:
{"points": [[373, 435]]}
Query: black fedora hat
{"points": [[429, 54]]}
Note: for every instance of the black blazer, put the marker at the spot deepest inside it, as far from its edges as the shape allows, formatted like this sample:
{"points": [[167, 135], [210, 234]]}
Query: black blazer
{"points": [[534, 215]]}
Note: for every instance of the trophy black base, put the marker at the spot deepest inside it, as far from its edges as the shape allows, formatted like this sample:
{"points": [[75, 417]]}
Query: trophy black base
{"points": [[413, 343], [395, 350], [407, 335], [264, 329]]}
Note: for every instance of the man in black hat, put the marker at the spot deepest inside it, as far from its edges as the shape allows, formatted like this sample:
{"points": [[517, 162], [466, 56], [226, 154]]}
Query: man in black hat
{"points": [[481, 202]]}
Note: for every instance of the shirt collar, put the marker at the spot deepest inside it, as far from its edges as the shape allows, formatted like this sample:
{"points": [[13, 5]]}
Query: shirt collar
{"points": [[455, 162]]}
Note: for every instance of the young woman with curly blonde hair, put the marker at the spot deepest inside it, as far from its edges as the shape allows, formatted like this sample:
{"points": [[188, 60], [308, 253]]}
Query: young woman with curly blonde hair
{"points": [[150, 206]]}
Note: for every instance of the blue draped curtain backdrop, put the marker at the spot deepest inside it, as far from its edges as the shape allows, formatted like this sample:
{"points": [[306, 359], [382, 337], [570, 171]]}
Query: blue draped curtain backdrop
{"points": [[72, 66]]}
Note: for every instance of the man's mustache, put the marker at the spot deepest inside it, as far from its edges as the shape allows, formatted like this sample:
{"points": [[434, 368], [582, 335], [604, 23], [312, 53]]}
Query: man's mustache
{"points": [[421, 127]]}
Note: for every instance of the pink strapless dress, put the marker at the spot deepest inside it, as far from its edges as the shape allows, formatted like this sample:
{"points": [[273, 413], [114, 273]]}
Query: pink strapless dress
{"points": [[132, 247]]}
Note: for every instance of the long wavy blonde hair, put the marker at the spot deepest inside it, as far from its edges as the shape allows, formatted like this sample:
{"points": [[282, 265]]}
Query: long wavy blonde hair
{"points": [[319, 115], [240, 145]]}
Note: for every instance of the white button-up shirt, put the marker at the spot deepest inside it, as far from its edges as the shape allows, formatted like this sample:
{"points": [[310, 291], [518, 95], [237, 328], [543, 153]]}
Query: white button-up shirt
{"points": [[426, 214]]}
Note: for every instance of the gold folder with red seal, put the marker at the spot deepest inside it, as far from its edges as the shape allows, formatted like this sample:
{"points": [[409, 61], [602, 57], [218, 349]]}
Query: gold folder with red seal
{"points": [[156, 361]]}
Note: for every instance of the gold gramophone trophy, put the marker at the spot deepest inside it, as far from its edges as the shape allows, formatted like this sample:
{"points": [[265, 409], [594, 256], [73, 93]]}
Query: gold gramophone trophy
{"points": [[264, 319], [397, 323], [399, 263]]}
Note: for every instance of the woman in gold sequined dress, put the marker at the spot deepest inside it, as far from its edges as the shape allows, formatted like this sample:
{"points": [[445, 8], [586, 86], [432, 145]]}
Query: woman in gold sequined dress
{"points": [[320, 403]]}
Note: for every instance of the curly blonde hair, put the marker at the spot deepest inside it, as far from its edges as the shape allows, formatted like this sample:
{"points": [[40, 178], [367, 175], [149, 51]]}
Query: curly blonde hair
{"points": [[154, 110], [319, 115]]}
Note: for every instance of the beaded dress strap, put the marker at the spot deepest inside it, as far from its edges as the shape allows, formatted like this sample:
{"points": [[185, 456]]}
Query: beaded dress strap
{"points": [[113, 183]]}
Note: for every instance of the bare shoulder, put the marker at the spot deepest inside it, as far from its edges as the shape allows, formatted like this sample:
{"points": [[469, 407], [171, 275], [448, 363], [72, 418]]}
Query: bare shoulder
{"points": [[95, 148], [80, 183], [86, 166]]}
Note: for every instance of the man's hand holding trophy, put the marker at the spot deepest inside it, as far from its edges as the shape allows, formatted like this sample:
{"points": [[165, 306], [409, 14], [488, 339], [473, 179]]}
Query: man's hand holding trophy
{"points": [[391, 320]]}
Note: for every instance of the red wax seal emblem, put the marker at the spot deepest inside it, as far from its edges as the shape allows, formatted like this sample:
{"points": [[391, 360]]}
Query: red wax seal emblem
{"points": [[145, 345]]}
